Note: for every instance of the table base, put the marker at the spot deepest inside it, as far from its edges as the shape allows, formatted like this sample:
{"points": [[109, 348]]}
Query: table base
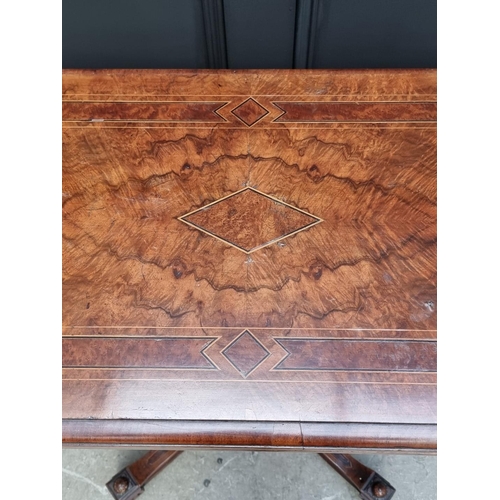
{"points": [[129, 483]]}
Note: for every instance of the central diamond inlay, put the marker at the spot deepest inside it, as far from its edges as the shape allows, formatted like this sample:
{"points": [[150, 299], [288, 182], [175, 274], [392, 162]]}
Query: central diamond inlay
{"points": [[249, 220]]}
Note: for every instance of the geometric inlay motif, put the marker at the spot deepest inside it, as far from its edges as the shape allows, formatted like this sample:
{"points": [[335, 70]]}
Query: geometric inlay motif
{"points": [[250, 112], [245, 353], [249, 220]]}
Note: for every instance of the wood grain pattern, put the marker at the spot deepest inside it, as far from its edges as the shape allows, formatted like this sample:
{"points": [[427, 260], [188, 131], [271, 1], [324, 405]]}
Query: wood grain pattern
{"points": [[250, 112], [180, 353], [294, 112], [395, 84], [245, 353], [331, 354], [261, 266], [375, 247], [241, 400], [142, 111], [249, 220]]}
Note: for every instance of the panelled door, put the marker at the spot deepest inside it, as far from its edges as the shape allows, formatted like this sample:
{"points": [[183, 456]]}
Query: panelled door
{"points": [[249, 34]]}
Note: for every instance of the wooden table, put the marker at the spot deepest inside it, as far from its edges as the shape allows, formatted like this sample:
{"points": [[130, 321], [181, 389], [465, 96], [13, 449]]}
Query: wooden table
{"points": [[249, 260]]}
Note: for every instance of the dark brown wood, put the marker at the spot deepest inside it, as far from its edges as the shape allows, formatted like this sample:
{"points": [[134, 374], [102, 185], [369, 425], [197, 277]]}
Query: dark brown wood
{"points": [[129, 483], [250, 112], [250, 248], [333, 354], [296, 112], [151, 464], [142, 111], [174, 434], [137, 353], [369, 484]]}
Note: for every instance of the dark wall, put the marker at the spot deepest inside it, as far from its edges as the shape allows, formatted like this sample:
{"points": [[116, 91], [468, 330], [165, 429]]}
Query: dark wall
{"points": [[249, 33]]}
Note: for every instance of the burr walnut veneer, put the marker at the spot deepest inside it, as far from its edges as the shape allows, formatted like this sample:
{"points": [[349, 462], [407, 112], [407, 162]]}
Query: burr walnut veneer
{"points": [[249, 259]]}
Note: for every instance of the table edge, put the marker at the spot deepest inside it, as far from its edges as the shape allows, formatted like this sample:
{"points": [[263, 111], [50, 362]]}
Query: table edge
{"points": [[290, 436]]}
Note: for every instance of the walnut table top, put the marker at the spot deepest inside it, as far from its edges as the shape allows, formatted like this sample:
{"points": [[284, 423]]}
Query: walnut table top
{"points": [[249, 259]]}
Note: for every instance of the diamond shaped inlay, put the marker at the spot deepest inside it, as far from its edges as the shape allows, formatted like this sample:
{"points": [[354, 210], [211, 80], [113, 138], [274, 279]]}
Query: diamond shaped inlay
{"points": [[245, 353], [249, 220], [250, 112]]}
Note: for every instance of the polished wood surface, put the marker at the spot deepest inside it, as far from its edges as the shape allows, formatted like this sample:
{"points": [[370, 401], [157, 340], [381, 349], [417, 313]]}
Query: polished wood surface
{"points": [[250, 248], [188, 434]]}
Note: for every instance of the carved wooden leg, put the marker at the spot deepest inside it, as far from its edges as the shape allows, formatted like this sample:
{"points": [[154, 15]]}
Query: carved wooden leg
{"points": [[370, 485], [129, 482]]}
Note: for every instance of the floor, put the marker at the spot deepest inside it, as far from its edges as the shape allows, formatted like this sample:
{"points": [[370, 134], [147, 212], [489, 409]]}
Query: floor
{"points": [[214, 475]]}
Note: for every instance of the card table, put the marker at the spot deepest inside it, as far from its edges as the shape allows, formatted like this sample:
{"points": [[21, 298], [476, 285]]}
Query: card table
{"points": [[249, 262]]}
